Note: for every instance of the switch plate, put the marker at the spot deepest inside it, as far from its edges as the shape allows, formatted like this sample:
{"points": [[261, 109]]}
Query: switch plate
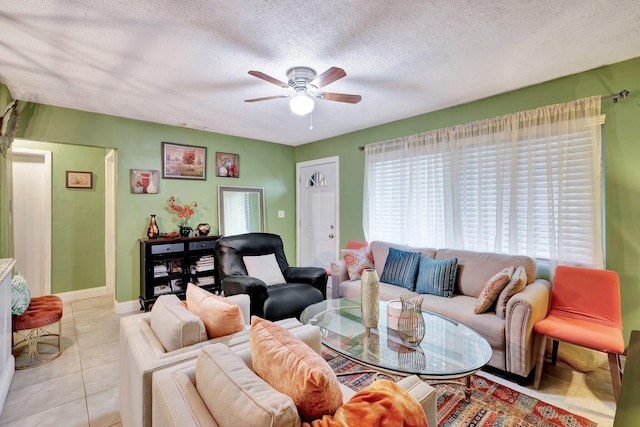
{"points": [[280, 214]]}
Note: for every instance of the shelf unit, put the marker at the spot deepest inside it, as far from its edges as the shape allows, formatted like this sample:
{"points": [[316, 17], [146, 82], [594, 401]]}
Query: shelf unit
{"points": [[167, 265]]}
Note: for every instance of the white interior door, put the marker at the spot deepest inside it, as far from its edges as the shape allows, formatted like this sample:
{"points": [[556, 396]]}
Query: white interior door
{"points": [[32, 217], [318, 209]]}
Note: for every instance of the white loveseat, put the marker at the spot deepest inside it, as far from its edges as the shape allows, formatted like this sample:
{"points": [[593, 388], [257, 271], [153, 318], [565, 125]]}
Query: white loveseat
{"points": [[511, 338]]}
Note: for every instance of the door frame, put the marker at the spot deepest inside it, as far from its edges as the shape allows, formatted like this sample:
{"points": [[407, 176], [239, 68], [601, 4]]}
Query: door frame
{"points": [[46, 238], [336, 168], [111, 172]]}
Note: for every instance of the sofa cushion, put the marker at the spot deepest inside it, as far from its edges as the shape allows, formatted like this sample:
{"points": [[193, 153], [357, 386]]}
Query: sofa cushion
{"points": [[357, 260], [437, 277], [401, 268], [380, 251], [265, 268], [235, 395], [292, 367], [492, 289], [517, 283], [174, 325], [383, 403], [220, 316]]}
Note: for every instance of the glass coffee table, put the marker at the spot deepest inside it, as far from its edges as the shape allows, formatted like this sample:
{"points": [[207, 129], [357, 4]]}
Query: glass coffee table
{"points": [[450, 350]]}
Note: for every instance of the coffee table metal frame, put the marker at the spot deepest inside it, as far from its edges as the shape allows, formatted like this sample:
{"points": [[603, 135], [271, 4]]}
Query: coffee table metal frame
{"points": [[450, 351]]}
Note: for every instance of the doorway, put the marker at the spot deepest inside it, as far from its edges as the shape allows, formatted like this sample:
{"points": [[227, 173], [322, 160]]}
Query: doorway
{"points": [[32, 217], [318, 212]]}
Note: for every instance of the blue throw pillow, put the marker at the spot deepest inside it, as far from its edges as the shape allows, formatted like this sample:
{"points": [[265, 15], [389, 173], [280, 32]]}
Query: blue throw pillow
{"points": [[437, 276], [401, 268]]}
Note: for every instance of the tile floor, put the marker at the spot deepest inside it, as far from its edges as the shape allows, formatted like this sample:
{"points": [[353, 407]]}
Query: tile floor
{"points": [[80, 388]]}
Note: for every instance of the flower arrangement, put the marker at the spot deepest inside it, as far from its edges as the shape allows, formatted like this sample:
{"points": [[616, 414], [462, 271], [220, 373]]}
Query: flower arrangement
{"points": [[183, 212]]}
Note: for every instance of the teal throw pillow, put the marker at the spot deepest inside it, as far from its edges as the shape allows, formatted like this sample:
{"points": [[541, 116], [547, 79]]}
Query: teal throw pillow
{"points": [[437, 276], [401, 268], [20, 295]]}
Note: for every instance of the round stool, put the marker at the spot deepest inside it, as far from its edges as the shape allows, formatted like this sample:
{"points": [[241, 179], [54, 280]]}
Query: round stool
{"points": [[31, 327]]}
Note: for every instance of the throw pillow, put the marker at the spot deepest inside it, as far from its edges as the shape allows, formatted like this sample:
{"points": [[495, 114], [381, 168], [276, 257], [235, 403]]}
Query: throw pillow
{"points": [[235, 395], [516, 284], [492, 289], [220, 317], [401, 268], [293, 368], [437, 276], [383, 403], [20, 294], [174, 325], [357, 261], [265, 268]]}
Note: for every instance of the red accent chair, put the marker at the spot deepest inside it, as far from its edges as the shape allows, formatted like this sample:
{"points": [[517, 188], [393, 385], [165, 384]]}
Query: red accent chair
{"points": [[585, 311]]}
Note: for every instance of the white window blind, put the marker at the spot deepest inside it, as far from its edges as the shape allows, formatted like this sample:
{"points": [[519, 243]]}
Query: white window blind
{"points": [[527, 183]]}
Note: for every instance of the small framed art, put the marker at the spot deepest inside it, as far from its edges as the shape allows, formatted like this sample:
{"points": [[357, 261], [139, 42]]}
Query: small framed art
{"points": [[228, 165], [144, 181], [76, 179], [184, 161]]}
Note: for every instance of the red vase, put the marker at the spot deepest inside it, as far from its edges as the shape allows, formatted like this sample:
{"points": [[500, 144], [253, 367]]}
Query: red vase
{"points": [[152, 231]]}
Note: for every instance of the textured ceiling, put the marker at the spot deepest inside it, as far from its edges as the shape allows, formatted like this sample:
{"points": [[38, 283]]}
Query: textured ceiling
{"points": [[177, 62]]}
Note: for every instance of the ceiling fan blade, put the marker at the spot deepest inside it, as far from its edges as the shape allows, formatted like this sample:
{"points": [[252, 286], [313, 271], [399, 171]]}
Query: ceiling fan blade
{"points": [[263, 76], [340, 97], [329, 76], [266, 98]]}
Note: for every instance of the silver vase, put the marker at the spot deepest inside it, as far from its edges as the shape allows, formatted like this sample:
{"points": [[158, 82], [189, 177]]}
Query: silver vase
{"points": [[411, 327], [369, 292]]}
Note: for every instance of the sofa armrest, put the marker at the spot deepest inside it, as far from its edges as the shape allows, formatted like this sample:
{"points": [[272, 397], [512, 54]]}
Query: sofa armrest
{"points": [[524, 309], [252, 286], [339, 274], [424, 394], [315, 276], [244, 302]]}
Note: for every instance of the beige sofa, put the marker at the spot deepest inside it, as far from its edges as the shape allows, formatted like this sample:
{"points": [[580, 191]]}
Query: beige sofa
{"points": [[511, 339], [177, 402], [142, 354]]}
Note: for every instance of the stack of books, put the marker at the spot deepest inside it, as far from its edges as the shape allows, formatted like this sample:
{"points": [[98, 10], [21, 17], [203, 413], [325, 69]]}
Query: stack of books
{"points": [[205, 281], [206, 263], [160, 270]]}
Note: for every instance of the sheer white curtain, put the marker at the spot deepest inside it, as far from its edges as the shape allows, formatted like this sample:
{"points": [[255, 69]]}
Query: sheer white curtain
{"points": [[525, 183]]}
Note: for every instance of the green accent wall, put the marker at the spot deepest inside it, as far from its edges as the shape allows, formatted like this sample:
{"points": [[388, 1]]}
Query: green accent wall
{"points": [[622, 157], [6, 236]]}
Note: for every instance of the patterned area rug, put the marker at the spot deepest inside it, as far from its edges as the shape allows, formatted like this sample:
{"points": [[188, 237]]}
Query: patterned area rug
{"points": [[491, 404]]}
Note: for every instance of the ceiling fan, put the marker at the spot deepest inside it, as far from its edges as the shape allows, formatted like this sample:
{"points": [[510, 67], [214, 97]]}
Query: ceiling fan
{"points": [[304, 85]]}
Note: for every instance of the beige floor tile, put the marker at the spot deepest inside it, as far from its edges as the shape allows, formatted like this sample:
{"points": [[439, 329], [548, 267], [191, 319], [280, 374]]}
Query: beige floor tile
{"points": [[106, 326], [103, 303], [70, 414], [44, 395], [67, 363], [104, 408], [98, 355], [101, 377]]}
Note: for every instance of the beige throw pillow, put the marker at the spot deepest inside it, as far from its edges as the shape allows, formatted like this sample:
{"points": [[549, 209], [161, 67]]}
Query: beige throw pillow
{"points": [[492, 289], [235, 395], [516, 284], [174, 325], [220, 317], [265, 268]]}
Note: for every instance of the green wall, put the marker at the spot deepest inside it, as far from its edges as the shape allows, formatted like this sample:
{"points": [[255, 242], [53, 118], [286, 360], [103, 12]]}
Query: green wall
{"points": [[622, 155], [138, 146]]}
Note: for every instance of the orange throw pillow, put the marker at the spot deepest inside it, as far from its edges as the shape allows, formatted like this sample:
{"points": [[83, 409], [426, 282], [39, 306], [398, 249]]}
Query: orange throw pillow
{"points": [[492, 289], [293, 368], [220, 317], [383, 403]]}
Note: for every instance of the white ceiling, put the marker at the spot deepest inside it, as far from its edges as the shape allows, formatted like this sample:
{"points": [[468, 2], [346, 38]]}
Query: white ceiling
{"points": [[178, 62]]}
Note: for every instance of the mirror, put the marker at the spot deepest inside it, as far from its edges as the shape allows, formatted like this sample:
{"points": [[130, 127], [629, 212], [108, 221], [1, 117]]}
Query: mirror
{"points": [[240, 210]]}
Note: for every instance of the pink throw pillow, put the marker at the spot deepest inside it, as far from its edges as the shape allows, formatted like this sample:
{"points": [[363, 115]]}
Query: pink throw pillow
{"points": [[220, 316], [491, 290], [357, 261]]}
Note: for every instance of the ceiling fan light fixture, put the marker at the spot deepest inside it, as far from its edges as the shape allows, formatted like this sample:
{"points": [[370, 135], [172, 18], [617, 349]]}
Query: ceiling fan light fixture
{"points": [[301, 104]]}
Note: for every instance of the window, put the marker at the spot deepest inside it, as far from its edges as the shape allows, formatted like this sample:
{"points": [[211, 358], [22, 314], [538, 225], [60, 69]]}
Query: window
{"points": [[527, 183]]}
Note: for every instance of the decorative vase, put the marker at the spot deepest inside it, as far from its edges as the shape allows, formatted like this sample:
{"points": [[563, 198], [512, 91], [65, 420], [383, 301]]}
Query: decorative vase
{"points": [[153, 231], [411, 327], [370, 290], [185, 231], [203, 229]]}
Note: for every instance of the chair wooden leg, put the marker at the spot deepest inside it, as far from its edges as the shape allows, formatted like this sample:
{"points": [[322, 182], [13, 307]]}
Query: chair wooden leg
{"points": [[616, 375], [542, 344]]}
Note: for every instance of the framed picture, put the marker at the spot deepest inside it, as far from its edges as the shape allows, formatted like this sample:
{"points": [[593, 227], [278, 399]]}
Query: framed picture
{"points": [[144, 181], [77, 179], [228, 165], [184, 161], [176, 285]]}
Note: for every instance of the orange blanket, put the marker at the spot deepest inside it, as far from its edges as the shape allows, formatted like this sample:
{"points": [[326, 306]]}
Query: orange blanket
{"points": [[382, 404]]}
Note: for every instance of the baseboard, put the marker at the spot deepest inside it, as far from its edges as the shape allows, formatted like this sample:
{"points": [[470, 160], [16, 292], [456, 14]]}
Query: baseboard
{"points": [[83, 294], [126, 306]]}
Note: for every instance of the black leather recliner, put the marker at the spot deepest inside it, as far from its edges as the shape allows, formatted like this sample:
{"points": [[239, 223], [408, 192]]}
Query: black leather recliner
{"points": [[304, 285]]}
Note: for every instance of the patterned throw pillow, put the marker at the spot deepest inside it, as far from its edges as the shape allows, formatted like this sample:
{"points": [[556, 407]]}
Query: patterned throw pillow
{"points": [[357, 261], [20, 294], [437, 276], [516, 284], [492, 289], [401, 268]]}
